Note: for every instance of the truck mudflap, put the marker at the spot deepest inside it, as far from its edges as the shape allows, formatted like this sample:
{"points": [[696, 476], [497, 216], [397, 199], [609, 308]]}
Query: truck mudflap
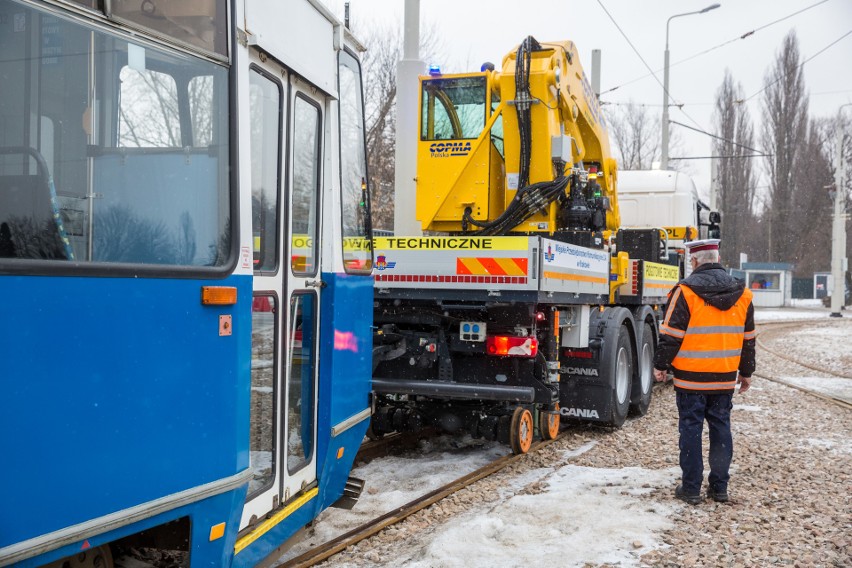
{"points": [[596, 383]]}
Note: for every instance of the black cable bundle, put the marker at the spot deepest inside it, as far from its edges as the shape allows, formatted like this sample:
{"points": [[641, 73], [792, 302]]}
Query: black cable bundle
{"points": [[527, 202], [523, 101], [529, 199]]}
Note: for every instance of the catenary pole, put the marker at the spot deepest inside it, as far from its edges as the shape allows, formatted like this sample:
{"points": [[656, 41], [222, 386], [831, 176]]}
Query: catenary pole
{"points": [[838, 226]]}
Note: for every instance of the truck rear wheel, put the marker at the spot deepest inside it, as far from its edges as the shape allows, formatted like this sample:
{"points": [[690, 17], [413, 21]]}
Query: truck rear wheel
{"points": [[619, 372], [644, 380]]}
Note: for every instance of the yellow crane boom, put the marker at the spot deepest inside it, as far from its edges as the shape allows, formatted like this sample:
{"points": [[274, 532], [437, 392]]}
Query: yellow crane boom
{"points": [[521, 150]]}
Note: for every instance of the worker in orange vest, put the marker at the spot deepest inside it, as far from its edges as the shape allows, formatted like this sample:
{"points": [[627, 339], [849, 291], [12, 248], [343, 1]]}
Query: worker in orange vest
{"points": [[707, 341]]}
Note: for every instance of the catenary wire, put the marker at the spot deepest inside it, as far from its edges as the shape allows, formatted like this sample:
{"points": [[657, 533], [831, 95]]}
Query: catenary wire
{"points": [[720, 138], [706, 51], [648, 67], [802, 64]]}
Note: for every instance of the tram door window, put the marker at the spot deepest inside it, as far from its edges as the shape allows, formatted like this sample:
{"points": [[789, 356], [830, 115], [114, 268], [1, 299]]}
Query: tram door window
{"points": [[263, 390], [300, 385], [265, 96], [355, 195], [306, 136]]}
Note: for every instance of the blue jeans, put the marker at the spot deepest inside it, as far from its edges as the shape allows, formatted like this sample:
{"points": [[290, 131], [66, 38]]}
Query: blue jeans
{"points": [[693, 409]]}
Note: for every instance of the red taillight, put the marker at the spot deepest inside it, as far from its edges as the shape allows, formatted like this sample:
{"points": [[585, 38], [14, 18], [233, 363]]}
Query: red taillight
{"points": [[511, 346]]}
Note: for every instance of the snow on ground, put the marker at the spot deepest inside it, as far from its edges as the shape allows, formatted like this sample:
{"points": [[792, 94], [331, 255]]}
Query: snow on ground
{"points": [[596, 513], [436, 463], [566, 515], [801, 309], [838, 387], [748, 408], [842, 447]]}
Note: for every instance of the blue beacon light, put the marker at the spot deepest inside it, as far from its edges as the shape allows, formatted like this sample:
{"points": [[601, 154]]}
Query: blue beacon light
{"points": [[434, 69]]}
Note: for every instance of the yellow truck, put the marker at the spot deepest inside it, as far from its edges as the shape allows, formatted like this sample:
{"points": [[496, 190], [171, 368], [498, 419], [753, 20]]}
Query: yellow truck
{"points": [[525, 302]]}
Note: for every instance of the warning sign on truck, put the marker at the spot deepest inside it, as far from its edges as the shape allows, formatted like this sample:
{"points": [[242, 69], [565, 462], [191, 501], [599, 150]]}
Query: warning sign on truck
{"points": [[451, 243]]}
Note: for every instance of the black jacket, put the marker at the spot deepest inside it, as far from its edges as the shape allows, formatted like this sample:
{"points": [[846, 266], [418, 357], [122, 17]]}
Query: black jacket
{"points": [[718, 288]]}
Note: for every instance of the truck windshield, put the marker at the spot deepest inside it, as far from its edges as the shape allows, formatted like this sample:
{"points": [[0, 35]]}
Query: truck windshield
{"points": [[453, 109], [112, 150]]}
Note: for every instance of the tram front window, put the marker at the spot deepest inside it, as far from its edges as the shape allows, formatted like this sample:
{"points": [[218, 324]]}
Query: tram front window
{"points": [[112, 150], [357, 247]]}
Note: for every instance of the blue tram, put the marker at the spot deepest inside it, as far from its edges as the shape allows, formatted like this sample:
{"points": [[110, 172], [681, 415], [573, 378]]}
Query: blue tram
{"points": [[185, 278]]}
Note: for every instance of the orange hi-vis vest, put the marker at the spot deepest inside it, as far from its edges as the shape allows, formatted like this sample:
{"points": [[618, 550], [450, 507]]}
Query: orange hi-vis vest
{"points": [[712, 342]]}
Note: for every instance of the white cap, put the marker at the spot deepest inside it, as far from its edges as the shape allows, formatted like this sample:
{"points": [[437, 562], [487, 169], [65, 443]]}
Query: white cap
{"points": [[706, 244]]}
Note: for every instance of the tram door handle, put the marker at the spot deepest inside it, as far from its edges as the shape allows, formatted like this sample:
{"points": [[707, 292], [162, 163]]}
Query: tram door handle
{"points": [[319, 284]]}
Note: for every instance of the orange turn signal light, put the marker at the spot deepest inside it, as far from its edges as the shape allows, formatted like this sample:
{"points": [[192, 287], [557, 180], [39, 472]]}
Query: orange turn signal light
{"points": [[218, 295], [217, 531]]}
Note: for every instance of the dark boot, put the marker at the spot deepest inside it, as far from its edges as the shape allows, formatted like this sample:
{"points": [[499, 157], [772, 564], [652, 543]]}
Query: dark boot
{"points": [[720, 496], [691, 499]]}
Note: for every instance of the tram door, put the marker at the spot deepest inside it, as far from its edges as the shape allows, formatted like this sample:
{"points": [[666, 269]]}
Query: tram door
{"points": [[286, 142], [304, 180]]}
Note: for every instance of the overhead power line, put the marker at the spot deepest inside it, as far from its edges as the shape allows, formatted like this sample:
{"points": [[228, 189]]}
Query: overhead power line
{"points": [[706, 51], [645, 63], [658, 105], [720, 138], [802, 64], [636, 51], [719, 157]]}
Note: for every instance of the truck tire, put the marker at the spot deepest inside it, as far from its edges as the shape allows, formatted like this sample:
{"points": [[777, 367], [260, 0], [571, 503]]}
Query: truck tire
{"points": [[619, 372], [643, 382]]}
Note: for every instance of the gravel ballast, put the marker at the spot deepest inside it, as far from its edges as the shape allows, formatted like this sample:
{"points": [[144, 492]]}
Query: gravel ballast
{"points": [[790, 489]]}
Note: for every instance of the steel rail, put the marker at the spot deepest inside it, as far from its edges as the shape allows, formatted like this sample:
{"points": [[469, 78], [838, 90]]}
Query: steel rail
{"points": [[786, 324], [842, 402]]}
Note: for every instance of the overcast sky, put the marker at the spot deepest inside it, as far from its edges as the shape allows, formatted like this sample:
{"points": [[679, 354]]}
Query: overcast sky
{"points": [[473, 31]]}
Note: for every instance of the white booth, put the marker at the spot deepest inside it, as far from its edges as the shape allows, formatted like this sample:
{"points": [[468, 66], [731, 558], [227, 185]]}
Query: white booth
{"points": [[770, 282]]}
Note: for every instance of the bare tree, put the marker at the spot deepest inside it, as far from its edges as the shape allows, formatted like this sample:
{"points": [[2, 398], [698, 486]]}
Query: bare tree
{"points": [[811, 221], [785, 123], [384, 50], [635, 134], [379, 64], [735, 174]]}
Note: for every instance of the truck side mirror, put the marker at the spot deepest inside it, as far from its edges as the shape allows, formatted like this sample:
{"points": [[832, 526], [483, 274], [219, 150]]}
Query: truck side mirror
{"points": [[715, 217]]}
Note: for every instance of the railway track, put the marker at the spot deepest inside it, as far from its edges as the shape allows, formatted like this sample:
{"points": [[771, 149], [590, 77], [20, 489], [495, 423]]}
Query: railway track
{"points": [[370, 528], [776, 327]]}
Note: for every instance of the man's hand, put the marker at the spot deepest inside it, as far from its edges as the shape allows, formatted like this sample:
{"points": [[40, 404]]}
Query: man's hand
{"points": [[744, 382], [659, 375]]}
